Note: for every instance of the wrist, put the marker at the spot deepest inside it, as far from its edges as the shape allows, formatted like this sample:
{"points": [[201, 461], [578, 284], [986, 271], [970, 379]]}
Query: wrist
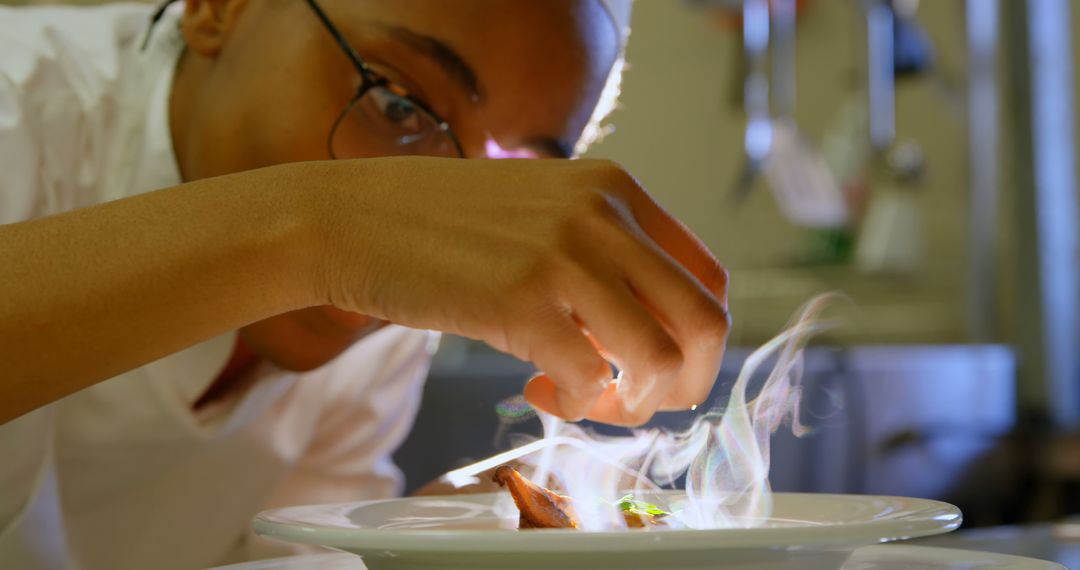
{"points": [[290, 237], [319, 222]]}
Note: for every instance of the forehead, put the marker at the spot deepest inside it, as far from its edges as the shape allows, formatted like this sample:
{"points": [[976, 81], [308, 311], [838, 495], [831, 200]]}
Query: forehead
{"points": [[539, 64], [573, 31]]}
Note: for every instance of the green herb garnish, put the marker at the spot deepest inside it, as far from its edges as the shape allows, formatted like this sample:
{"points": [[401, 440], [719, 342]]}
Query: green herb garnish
{"points": [[630, 505]]}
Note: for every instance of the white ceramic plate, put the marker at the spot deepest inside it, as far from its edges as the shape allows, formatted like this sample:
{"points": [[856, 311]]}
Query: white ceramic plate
{"points": [[878, 557], [806, 531]]}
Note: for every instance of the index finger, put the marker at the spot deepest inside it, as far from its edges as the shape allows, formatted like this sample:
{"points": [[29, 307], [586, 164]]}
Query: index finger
{"points": [[702, 348]]}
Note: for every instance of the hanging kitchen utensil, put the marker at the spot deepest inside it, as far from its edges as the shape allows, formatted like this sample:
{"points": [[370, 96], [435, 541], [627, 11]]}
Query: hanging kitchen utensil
{"points": [[881, 88], [757, 138], [800, 179], [891, 236], [913, 52]]}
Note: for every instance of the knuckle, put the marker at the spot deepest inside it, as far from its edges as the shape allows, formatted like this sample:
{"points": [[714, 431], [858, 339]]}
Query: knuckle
{"points": [[560, 272], [714, 320], [614, 172], [596, 209], [583, 377], [596, 372], [600, 165], [599, 205], [718, 277], [663, 355], [610, 174], [533, 275], [594, 222]]}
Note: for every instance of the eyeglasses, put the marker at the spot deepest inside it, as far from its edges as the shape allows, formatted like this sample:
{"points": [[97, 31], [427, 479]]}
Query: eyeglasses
{"points": [[382, 119]]}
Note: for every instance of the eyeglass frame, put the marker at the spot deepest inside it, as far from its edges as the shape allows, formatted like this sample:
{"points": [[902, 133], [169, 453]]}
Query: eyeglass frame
{"points": [[370, 79]]}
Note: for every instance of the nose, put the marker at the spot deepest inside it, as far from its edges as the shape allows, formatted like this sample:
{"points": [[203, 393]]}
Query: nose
{"points": [[493, 150]]}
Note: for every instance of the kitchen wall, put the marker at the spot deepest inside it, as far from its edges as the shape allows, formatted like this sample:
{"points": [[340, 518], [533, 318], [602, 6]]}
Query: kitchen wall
{"points": [[680, 131]]}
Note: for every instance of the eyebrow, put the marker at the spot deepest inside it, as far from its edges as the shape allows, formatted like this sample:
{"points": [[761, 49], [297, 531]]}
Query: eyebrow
{"points": [[457, 68], [445, 56]]}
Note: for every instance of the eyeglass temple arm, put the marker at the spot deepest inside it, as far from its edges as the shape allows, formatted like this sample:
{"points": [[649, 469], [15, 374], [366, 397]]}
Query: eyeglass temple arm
{"points": [[340, 39]]}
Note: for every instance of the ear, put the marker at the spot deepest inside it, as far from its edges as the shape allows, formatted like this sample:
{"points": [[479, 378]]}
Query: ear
{"points": [[206, 24]]}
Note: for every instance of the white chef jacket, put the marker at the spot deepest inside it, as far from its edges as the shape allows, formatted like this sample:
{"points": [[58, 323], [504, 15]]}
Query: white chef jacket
{"points": [[124, 475]]}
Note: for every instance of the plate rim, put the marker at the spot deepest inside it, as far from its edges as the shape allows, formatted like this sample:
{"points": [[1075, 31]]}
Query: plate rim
{"points": [[909, 553], [931, 517]]}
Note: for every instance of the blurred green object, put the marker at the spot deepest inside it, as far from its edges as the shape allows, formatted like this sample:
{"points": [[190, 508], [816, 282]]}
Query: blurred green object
{"points": [[833, 246]]}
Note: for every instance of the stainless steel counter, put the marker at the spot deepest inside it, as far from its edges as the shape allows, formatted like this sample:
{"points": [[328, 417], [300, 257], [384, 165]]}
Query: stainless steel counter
{"points": [[1059, 542]]}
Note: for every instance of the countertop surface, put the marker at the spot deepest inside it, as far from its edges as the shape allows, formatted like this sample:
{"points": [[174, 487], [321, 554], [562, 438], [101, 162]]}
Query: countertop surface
{"points": [[1059, 542]]}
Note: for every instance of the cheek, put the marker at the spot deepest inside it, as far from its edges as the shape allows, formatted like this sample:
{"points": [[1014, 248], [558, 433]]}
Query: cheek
{"points": [[275, 105], [288, 119]]}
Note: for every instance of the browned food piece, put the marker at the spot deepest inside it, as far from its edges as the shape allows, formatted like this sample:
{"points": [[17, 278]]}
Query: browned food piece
{"points": [[539, 507], [543, 508], [635, 520]]}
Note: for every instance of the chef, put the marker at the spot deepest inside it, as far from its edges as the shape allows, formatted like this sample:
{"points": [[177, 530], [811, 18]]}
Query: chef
{"points": [[227, 226]]}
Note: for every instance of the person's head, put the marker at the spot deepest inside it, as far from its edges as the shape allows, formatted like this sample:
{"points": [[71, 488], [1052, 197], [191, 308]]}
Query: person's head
{"points": [[268, 81], [264, 82]]}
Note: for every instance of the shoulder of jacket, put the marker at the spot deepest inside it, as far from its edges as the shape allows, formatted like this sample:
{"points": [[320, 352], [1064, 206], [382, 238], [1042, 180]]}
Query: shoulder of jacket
{"points": [[82, 40]]}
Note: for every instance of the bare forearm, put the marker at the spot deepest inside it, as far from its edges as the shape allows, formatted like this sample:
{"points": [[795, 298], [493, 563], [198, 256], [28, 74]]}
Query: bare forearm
{"points": [[521, 254], [95, 292]]}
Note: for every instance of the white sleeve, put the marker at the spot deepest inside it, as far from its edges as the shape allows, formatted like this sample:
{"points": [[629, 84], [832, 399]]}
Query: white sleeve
{"points": [[20, 187], [39, 105], [32, 533], [24, 441], [56, 103], [23, 445], [361, 425]]}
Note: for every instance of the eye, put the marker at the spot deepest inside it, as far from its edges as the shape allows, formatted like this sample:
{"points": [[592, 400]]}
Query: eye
{"points": [[383, 122], [397, 110]]}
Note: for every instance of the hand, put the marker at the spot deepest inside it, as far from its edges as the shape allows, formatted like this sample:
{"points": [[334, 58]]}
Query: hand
{"points": [[567, 264]]}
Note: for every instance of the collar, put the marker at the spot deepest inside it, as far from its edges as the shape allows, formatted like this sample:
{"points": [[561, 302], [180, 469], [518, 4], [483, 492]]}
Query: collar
{"points": [[141, 156], [154, 162]]}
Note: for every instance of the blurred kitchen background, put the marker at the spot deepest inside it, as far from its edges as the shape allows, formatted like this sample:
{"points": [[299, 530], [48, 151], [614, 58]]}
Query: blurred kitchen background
{"points": [[918, 157], [922, 162]]}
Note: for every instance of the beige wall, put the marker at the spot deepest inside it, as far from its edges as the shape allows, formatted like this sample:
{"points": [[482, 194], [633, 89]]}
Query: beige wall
{"points": [[681, 134]]}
